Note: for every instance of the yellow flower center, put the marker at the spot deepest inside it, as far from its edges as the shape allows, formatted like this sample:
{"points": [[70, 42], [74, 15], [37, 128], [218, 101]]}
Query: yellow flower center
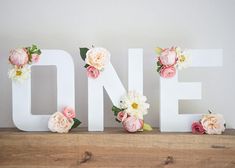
{"points": [[18, 73], [182, 58], [134, 105]]}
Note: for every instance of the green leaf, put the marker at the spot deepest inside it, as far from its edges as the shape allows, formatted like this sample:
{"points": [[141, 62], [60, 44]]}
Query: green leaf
{"points": [[116, 110], [33, 50], [28, 50], [87, 65], [117, 120], [37, 52], [34, 47], [147, 127], [159, 64], [83, 52], [159, 69], [76, 123]]}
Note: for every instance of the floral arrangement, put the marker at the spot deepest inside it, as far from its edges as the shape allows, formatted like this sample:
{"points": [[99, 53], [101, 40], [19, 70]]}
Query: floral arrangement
{"points": [[169, 59], [96, 59], [20, 59], [209, 124], [132, 108], [63, 122]]}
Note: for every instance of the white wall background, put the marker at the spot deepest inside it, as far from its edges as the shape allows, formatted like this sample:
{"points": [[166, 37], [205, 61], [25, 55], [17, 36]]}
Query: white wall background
{"points": [[119, 25]]}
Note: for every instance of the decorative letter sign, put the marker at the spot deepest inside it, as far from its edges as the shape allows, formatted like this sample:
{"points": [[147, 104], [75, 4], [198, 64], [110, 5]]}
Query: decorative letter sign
{"points": [[21, 93], [171, 91], [111, 83]]}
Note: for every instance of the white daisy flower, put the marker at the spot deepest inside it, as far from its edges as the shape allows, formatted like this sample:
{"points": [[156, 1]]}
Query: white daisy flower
{"points": [[184, 60], [19, 74], [134, 104]]}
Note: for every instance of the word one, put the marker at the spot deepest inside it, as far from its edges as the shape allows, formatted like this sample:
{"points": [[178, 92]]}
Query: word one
{"points": [[171, 91]]}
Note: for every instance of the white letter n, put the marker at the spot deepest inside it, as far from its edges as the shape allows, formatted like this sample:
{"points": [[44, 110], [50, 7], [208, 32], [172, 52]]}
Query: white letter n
{"points": [[109, 80]]}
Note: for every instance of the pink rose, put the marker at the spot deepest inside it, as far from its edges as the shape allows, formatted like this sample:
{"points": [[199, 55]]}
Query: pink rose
{"points": [[132, 124], [92, 72], [168, 72], [121, 116], [18, 57], [35, 58], [69, 112], [197, 128], [168, 57]]}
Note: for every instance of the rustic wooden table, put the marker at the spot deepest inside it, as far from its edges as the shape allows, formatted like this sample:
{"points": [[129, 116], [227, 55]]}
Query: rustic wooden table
{"points": [[115, 148]]}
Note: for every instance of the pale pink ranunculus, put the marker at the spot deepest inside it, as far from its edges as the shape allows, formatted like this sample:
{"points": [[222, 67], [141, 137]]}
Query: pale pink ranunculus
{"points": [[197, 128], [35, 58], [19, 57], [97, 57], [69, 112], [213, 123], [59, 123], [168, 57], [92, 72], [168, 72], [132, 124], [121, 116]]}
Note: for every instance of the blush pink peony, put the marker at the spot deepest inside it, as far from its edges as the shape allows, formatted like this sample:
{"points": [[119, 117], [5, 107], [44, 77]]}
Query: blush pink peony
{"points": [[132, 124], [168, 57], [92, 72], [18, 57], [168, 72], [69, 112]]}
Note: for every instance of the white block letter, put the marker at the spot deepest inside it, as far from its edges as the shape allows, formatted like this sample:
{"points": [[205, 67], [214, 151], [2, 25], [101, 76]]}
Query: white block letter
{"points": [[171, 91], [21, 93], [109, 80]]}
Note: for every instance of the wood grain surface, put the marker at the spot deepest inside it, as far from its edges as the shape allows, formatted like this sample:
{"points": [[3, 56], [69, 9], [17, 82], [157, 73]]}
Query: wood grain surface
{"points": [[115, 148]]}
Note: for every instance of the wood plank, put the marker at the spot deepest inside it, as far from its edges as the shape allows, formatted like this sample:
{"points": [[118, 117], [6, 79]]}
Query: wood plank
{"points": [[115, 148]]}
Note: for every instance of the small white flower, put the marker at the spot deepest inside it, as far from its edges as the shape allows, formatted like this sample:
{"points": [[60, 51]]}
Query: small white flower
{"points": [[19, 74], [184, 60], [134, 104]]}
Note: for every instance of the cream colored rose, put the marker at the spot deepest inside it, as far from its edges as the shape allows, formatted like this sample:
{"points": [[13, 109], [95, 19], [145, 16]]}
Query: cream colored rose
{"points": [[97, 57], [59, 123], [213, 123]]}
